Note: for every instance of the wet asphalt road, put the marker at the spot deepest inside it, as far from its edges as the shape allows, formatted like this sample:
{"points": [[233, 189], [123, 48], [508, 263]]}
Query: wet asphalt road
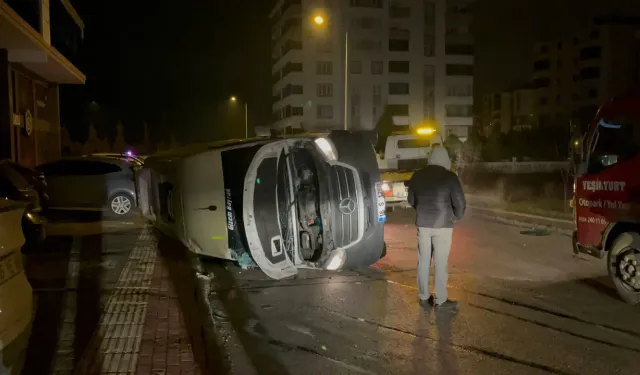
{"points": [[527, 306]]}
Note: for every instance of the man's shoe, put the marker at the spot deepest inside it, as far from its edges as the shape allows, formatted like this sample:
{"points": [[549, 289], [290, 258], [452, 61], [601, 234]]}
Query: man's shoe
{"points": [[447, 305], [427, 302]]}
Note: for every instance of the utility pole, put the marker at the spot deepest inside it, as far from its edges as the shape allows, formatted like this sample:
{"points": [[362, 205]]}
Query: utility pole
{"points": [[346, 79]]}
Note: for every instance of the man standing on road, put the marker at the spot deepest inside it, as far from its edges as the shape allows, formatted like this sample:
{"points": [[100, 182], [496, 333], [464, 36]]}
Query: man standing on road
{"points": [[436, 194]]}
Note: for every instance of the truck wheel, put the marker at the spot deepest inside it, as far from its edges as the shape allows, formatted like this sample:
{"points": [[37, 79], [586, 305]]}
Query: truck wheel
{"points": [[623, 262]]}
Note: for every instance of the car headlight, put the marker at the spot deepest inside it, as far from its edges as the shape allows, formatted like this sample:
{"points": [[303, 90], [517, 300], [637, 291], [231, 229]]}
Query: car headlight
{"points": [[327, 148], [385, 186], [336, 261]]}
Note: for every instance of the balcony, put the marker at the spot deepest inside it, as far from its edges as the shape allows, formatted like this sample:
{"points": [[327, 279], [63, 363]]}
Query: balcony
{"points": [[459, 49], [288, 4], [397, 11], [292, 24], [376, 4], [42, 40], [290, 45], [290, 89], [590, 53], [289, 7], [541, 65], [590, 73], [291, 68]]}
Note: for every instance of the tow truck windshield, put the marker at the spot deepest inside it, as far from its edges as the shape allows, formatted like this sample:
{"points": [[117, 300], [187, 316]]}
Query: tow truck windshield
{"points": [[614, 141]]}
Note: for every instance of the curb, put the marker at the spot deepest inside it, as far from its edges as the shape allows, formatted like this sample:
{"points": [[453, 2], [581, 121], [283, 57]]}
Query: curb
{"points": [[561, 226], [213, 341]]}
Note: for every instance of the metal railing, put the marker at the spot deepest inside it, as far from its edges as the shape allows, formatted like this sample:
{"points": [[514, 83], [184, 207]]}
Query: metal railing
{"points": [[520, 166]]}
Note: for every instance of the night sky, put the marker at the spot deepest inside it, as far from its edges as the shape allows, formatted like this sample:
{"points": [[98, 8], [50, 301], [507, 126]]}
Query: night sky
{"points": [[175, 64]]}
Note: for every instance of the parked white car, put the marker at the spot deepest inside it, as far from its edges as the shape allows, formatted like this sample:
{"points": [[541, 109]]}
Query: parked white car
{"points": [[15, 292], [286, 203]]}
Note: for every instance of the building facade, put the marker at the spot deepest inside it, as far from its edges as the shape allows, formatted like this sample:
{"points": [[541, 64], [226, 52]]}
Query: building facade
{"points": [[574, 76], [411, 57], [37, 39], [514, 109]]}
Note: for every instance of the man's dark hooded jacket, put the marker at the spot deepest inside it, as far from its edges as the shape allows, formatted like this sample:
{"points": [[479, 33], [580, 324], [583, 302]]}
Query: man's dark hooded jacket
{"points": [[436, 193]]}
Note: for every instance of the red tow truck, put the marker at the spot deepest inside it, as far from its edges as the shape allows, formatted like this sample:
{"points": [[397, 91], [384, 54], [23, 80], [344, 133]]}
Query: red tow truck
{"points": [[606, 197]]}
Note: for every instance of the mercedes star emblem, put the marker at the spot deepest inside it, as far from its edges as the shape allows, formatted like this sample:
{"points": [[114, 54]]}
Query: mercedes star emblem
{"points": [[347, 206]]}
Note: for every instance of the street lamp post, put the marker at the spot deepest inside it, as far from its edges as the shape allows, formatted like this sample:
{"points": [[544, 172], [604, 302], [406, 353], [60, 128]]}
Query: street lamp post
{"points": [[319, 20], [246, 117], [346, 77]]}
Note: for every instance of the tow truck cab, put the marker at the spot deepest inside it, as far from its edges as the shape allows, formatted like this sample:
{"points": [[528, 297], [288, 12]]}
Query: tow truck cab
{"points": [[607, 193], [404, 153]]}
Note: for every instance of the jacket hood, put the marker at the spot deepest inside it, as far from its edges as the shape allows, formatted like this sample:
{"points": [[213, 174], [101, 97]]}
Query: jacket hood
{"points": [[440, 156]]}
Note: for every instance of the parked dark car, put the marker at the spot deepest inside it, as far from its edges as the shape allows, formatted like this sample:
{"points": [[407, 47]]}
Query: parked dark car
{"points": [[13, 186], [92, 183], [136, 160], [36, 180]]}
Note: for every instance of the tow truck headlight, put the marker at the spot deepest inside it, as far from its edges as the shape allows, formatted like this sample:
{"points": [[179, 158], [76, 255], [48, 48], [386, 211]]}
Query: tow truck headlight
{"points": [[327, 148]]}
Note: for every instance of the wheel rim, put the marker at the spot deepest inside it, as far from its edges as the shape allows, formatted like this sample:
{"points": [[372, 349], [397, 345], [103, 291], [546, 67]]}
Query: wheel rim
{"points": [[627, 266], [121, 205]]}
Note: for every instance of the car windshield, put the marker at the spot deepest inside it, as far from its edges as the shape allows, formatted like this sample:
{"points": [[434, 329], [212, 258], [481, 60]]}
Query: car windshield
{"points": [[616, 139]]}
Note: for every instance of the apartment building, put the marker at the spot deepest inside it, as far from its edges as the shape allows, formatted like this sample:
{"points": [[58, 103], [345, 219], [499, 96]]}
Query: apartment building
{"points": [[573, 76], [514, 109], [37, 41], [411, 57]]}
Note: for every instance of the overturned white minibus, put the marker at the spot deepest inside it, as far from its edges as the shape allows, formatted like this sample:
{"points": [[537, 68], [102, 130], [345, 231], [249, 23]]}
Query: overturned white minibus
{"points": [[283, 203]]}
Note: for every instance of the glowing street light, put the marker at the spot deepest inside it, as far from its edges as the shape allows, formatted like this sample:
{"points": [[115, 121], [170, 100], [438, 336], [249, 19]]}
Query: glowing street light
{"points": [[318, 19], [234, 99]]}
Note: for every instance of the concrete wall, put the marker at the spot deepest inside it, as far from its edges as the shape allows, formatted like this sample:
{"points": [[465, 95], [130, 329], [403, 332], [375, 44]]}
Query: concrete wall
{"points": [[5, 107]]}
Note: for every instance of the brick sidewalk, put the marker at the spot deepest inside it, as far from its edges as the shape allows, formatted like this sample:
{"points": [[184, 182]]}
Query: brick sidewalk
{"points": [[141, 329], [165, 343]]}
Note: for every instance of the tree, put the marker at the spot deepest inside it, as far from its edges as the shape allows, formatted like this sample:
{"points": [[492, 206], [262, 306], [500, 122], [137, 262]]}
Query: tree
{"points": [[76, 148], [173, 143], [493, 148], [93, 143], [147, 147], [472, 148], [453, 144], [119, 144], [384, 128], [65, 141], [161, 146], [519, 144]]}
